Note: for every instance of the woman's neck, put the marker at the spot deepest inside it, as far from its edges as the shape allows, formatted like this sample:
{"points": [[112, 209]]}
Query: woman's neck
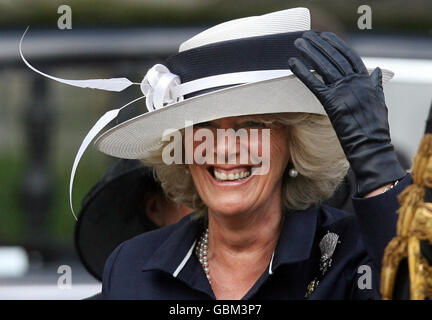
{"points": [[245, 234], [240, 249]]}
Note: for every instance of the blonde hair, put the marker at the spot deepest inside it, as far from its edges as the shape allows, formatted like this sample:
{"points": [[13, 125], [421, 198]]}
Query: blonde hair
{"points": [[314, 150]]}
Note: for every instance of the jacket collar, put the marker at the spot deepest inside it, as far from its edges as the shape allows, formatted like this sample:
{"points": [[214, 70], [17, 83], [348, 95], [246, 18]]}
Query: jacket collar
{"points": [[175, 248], [294, 245], [296, 238]]}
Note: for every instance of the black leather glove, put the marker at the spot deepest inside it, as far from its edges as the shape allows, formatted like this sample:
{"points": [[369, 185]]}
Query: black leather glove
{"points": [[354, 102]]}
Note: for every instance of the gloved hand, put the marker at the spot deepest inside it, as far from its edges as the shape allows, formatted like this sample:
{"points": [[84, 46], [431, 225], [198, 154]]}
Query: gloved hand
{"points": [[354, 102]]}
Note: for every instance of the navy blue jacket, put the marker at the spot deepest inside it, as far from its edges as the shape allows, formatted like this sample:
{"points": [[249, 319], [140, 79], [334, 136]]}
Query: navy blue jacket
{"points": [[161, 264]]}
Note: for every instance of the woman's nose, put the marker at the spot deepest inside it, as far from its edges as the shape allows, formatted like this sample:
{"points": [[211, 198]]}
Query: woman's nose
{"points": [[227, 147]]}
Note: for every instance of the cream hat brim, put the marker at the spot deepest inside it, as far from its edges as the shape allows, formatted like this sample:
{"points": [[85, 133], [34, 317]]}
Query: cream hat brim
{"points": [[135, 138]]}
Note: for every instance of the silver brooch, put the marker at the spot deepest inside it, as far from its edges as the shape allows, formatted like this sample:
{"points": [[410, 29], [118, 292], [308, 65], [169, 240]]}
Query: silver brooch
{"points": [[327, 247]]}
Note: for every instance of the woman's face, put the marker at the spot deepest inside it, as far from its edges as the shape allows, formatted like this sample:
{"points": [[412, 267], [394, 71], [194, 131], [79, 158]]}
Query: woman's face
{"points": [[232, 189]]}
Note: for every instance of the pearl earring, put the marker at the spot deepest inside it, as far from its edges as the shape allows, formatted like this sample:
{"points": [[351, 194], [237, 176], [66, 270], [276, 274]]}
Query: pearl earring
{"points": [[293, 172]]}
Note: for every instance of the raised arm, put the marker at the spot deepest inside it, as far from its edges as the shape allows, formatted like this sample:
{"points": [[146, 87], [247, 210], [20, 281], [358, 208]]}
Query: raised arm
{"points": [[355, 104]]}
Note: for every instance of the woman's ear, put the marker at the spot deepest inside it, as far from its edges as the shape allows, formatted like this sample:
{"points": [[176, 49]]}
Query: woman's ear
{"points": [[154, 208], [163, 211]]}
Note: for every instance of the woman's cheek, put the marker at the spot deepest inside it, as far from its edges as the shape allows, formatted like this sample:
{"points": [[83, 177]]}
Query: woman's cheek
{"points": [[255, 144], [203, 147], [279, 153]]}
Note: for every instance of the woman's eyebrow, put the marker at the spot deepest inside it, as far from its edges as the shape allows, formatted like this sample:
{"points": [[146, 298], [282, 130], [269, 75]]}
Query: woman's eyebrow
{"points": [[205, 123], [263, 121]]}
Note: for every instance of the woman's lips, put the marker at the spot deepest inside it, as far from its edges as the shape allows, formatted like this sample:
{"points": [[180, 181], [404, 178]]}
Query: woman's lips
{"points": [[230, 176]]}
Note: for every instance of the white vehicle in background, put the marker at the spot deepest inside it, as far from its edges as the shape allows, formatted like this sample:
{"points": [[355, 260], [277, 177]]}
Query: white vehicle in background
{"points": [[408, 98], [409, 93]]}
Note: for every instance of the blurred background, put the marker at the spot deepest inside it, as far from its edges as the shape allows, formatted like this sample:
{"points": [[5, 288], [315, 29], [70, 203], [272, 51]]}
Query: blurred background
{"points": [[43, 122]]}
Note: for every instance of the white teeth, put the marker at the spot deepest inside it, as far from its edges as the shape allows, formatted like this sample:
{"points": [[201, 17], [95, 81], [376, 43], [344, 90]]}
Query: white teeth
{"points": [[231, 176]]}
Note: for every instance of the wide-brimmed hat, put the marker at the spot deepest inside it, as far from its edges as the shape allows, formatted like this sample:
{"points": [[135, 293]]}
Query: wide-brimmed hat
{"points": [[235, 68], [239, 67], [250, 55], [113, 211]]}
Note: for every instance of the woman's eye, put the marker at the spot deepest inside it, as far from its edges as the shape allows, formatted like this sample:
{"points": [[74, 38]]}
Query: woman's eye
{"points": [[255, 124], [206, 124]]}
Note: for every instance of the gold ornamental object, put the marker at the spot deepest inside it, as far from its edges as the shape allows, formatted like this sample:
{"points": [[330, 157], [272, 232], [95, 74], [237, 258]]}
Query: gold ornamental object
{"points": [[414, 226]]}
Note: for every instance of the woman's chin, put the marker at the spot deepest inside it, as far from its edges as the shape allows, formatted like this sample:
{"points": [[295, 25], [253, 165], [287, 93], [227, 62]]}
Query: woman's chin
{"points": [[230, 208]]}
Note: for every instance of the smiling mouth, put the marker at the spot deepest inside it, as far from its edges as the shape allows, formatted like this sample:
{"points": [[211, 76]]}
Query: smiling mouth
{"points": [[232, 174]]}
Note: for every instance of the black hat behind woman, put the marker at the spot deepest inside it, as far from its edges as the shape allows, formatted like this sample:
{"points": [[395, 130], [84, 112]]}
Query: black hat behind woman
{"points": [[113, 212]]}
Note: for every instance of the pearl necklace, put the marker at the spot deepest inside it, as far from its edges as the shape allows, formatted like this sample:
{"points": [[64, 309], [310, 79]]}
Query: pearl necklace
{"points": [[201, 252]]}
